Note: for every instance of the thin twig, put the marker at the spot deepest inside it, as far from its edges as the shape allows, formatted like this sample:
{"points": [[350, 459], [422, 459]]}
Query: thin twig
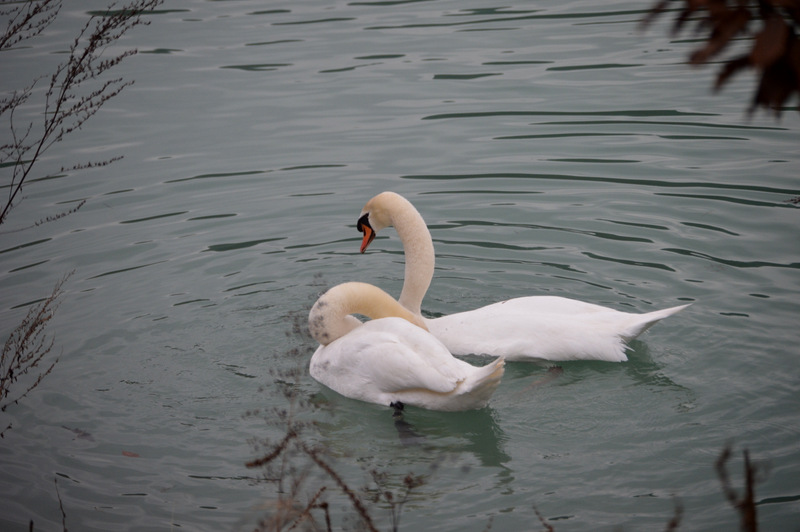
{"points": [[26, 348], [61, 506], [354, 499], [745, 505]]}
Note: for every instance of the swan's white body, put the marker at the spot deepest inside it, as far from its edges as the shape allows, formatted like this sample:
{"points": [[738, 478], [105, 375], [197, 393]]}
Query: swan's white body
{"points": [[390, 359], [526, 328]]}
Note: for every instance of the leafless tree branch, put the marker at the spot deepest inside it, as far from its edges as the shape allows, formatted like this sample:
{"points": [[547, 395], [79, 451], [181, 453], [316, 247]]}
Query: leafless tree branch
{"points": [[75, 91]]}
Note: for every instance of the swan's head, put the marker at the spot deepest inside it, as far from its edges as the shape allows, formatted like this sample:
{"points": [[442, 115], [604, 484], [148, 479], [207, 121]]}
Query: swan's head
{"points": [[364, 226], [331, 317], [377, 214]]}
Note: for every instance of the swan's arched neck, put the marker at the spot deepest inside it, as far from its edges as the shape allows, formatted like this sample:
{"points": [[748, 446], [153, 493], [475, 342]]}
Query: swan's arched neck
{"points": [[331, 316], [391, 209]]}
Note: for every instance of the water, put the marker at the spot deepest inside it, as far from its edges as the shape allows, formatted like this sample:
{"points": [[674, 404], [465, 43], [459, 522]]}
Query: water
{"points": [[553, 149]]}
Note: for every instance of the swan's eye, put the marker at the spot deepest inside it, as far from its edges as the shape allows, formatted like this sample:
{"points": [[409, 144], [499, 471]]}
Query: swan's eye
{"points": [[363, 223]]}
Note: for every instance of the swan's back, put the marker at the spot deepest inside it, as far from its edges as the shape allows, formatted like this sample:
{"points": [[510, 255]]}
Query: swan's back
{"points": [[544, 328]]}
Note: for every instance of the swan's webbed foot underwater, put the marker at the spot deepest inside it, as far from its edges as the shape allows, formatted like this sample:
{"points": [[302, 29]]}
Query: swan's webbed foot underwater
{"points": [[553, 372], [405, 431]]}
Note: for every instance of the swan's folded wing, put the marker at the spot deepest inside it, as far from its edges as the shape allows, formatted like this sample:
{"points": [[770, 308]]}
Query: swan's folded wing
{"points": [[408, 370], [404, 358]]}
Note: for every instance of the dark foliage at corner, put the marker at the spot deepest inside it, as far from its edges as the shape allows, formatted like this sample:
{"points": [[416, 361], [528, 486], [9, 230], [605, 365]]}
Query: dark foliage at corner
{"points": [[773, 48]]}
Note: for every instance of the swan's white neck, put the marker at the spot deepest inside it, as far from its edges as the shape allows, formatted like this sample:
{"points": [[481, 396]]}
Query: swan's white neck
{"points": [[418, 248], [330, 317]]}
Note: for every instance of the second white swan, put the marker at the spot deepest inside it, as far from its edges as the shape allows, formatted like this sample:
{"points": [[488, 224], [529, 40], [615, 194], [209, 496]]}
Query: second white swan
{"points": [[526, 328], [391, 358]]}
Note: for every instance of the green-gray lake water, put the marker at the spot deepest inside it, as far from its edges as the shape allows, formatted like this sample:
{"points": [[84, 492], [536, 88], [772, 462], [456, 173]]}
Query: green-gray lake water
{"points": [[553, 148]]}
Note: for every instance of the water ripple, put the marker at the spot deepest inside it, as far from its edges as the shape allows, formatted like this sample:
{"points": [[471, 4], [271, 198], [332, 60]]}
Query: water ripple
{"points": [[629, 262], [739, 201], [129, 269], [466, 76], [230, 246], [501, 16], [216, 175], [261, 67], [269, 43], [154, 217], [621, 112], [591, 67], [734, 263], [314, 21], [598, 234], [617, 180]]}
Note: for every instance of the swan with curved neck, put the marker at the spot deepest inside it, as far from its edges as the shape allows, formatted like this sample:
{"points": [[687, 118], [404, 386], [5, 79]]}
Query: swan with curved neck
{"points": [[391, 358], [525, 328]]}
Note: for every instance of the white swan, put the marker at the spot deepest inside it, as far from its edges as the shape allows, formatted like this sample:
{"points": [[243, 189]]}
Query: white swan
{"points": [[526, 328], [391, 358]]}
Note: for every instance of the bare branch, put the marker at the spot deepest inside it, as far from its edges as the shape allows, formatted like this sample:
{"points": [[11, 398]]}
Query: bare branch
{"points": [[355, 500], [74, 92], [27, 21], [61, 506], [25, 350]]}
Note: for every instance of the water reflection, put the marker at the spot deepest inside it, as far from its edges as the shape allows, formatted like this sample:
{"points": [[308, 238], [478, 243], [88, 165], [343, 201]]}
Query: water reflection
{"points": [[475, 433]]}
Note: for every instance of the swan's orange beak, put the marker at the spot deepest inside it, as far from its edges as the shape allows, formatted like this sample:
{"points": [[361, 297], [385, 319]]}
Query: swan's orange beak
{"points": [[369, 236], [364, 227]]}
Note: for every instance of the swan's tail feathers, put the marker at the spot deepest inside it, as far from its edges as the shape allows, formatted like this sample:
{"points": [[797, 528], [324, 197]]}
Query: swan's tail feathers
{"points": [[481, 384], [642, 322]]}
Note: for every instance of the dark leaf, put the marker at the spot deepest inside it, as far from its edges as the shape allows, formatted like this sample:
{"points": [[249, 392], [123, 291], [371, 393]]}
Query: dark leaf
{"points": [[731, 67], [726, 25], [770, 43], [777, 84]]}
